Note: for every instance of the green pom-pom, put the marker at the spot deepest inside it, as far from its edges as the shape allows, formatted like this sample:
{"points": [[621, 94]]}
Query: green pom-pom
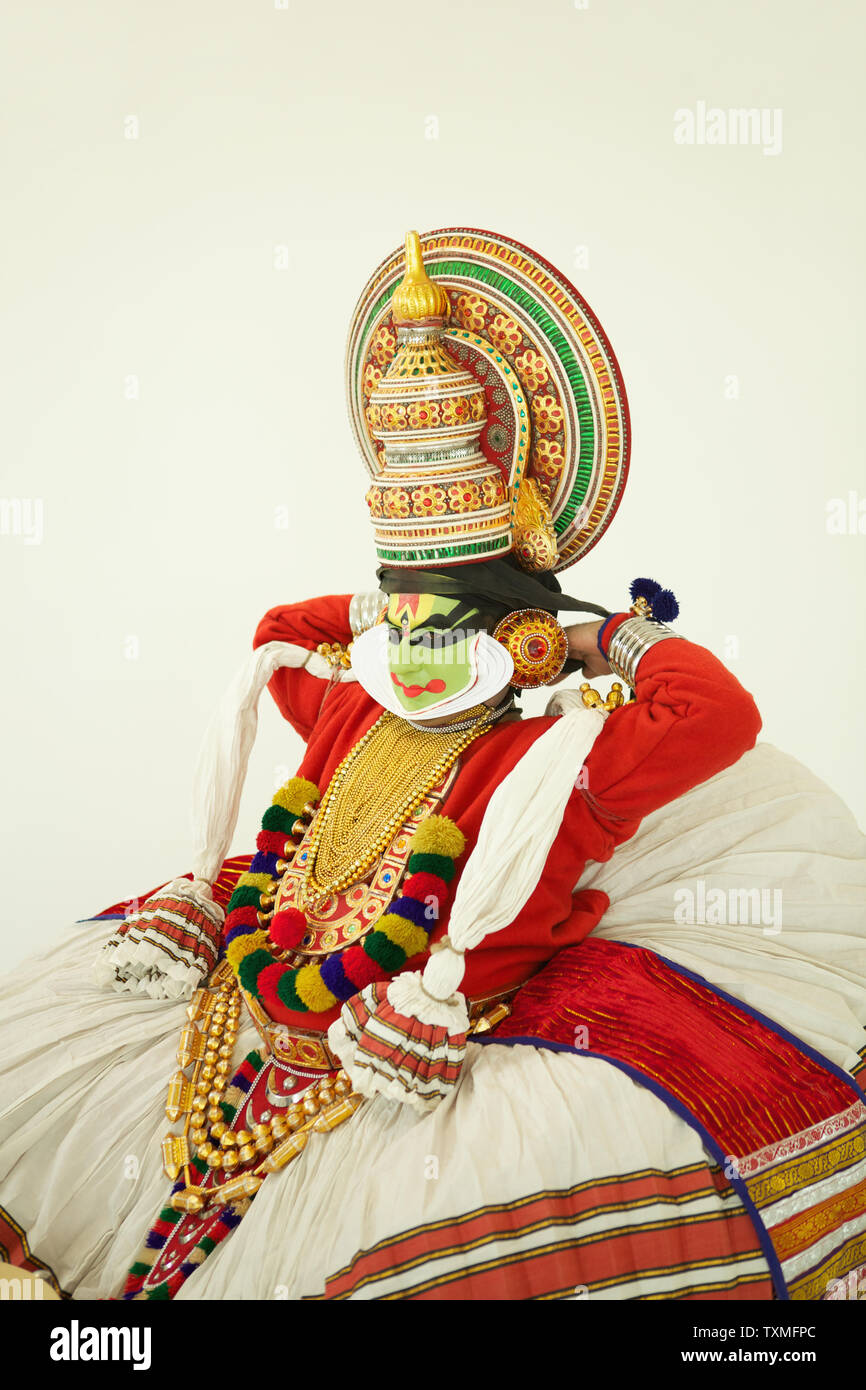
{"points": [[161, 1291], [250, 968], [207, 1244], [288, 995], [138, 1269], [244, 897], [438, 864], [384, 951], [278, 818]]}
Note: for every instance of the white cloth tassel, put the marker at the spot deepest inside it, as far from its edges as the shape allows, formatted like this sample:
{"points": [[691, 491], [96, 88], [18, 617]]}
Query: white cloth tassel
{"points": [[199, 891], [443, 971], [225, 751], [520, 824], [408, 996]]}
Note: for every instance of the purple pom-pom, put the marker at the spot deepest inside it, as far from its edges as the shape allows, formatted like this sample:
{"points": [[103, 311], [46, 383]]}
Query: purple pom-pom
{"points": [[336, 979], [665, 607], [644, 588]]}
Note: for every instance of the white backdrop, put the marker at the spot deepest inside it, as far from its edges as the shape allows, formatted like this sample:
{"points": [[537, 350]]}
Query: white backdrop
{"points": [[195, 194]]}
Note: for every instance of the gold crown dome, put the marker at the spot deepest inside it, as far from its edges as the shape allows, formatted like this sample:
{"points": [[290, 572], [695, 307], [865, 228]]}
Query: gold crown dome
{"points": [[417, 299], [437, 491]]}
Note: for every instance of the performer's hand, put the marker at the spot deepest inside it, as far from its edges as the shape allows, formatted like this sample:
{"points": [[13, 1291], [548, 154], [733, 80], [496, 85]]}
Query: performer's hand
{"points": [[583, 647]]}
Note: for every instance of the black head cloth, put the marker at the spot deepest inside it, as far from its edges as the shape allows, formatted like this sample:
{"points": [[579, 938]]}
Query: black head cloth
{"points": [[499, 583]]}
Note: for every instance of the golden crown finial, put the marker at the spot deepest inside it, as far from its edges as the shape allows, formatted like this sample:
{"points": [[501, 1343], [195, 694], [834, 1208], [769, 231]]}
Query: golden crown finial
{"points": [[417, 298]]}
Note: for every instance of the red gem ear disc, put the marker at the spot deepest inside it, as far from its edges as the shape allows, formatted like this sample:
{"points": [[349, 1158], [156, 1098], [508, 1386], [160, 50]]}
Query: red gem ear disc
{"points": [[537, 645]]}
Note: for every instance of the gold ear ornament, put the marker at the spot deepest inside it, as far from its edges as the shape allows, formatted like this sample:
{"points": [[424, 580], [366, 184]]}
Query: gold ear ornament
{"points": [[537, 645]]}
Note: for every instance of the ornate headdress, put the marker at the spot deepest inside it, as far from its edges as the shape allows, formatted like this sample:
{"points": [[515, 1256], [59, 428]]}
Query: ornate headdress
{"points": [[487, 405]]}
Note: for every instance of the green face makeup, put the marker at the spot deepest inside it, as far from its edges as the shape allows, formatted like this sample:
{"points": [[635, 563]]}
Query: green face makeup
{"points": [[429, 654]]}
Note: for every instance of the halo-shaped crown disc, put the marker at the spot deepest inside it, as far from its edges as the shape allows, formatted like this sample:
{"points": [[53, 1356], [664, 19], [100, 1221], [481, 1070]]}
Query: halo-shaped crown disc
{"points": [[555, 404]]}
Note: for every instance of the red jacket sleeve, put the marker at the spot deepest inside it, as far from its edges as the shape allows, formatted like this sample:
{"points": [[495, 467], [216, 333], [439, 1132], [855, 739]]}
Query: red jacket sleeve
{"points": [[299, 694], [690, 719]]}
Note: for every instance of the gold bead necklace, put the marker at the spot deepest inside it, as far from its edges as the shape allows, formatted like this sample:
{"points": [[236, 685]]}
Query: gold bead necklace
{"points": [[374, 790], [270, 1144]]}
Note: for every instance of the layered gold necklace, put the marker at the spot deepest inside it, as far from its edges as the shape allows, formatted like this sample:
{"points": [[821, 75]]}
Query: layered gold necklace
{"points": [[374, 790]]}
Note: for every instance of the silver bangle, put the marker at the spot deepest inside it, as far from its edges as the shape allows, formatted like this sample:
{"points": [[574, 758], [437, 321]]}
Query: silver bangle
{"points": [[364, 610], [630, 641]]}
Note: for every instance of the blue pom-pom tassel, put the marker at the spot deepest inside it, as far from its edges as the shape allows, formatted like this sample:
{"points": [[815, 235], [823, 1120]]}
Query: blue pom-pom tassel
{"points": [[644, 588], [662, 601], [665, 606]]}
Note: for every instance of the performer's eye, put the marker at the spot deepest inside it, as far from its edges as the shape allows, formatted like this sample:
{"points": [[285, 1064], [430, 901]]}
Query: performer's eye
{"points": [[397, 632], [430, 637]]}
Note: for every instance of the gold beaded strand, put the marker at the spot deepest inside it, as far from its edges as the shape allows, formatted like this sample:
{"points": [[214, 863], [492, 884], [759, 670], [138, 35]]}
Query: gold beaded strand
{"points": [[367, 799]]}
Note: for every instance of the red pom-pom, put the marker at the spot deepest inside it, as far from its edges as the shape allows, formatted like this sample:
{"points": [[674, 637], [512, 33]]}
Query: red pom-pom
{"points": [[360, 968], [288, 928], [242, 917], [271, 842], [423, 886]]}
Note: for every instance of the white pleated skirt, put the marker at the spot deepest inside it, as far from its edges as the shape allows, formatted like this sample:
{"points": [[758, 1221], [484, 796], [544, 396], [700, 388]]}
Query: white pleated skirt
{"points": [[84, 1087], [85, 1070]]}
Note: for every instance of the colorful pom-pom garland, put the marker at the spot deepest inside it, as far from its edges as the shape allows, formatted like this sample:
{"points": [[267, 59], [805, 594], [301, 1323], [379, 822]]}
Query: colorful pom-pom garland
{"points": [[401, 933]]}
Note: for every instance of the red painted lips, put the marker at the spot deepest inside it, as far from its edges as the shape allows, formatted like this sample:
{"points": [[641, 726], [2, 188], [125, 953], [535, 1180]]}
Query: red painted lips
{"points": [[435, 687]]}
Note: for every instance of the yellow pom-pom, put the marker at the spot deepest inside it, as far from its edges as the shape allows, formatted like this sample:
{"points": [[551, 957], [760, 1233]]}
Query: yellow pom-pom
{"points": [[403, 933], [439, 835], [294, 796], [264, 882], [313, 990], [243, 945]]}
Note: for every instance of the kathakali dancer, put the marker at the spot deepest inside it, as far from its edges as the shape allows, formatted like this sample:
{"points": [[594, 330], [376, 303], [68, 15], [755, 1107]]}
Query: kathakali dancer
{"points": [[501, 1007]]}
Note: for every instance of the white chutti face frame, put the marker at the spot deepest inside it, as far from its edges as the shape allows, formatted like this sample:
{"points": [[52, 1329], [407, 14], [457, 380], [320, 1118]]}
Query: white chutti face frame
{"points": [[490, 663]]}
